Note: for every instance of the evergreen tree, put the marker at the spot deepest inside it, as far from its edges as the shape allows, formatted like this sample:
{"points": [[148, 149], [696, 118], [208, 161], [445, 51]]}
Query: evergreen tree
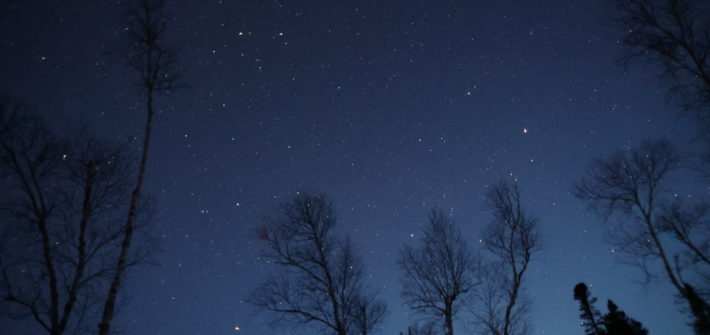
{"points": [[590, 316], [700, 310], [617, 323]]}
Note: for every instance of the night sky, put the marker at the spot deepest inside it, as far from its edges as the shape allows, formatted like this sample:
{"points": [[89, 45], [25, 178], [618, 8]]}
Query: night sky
{"points": [[388, 107]]}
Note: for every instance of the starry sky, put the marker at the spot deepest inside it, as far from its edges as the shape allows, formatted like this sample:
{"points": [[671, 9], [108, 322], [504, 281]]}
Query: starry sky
{"points": [[388, 107]]}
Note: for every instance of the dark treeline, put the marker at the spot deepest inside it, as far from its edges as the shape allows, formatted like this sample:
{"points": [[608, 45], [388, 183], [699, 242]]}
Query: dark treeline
{"points": [[65, 195]]}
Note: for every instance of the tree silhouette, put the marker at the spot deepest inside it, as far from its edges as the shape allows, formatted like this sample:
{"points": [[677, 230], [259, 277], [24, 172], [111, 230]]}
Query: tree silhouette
{"points": [[699, 308], [369, 313], [59, 207], [590, 316], [320, 278], [511, 239], [439, 274], [156, 66], [615, 322], [675, 35], [632, 183]]}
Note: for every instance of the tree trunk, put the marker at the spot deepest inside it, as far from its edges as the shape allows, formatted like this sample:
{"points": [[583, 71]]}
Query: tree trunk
{"points": [[509, 308], [81, 261], [110, 305], [449, 317], [588, 309]]}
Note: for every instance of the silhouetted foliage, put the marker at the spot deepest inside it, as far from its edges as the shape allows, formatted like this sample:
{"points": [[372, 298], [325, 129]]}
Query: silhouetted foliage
{"points": [[439, 274], [590, 316], [699, 308], [320, 277], [615, 322], [632, 183], [60, 203], [156, 66], [511, 239]]}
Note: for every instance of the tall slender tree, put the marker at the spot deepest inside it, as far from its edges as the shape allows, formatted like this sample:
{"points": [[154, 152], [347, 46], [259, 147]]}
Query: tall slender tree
{"points": [[674, 35], [590, 316], [511, 240], [439, 274], [156, 65]]}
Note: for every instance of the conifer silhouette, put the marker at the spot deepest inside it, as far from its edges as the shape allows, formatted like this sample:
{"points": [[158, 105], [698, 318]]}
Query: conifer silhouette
{"points": [[590, 316], [615, 322]]}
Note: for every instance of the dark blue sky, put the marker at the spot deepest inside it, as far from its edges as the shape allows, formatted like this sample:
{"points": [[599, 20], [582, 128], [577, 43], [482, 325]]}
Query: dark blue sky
{"points": [[389, 107]]}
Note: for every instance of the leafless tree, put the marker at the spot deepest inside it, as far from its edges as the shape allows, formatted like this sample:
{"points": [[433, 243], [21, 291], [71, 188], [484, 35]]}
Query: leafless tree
{"points": [[156, 66], [675, 34], [427, 328], [439, 274], [632, 183], [369, 313], [512, 240], [321, 279], [59, 205]]}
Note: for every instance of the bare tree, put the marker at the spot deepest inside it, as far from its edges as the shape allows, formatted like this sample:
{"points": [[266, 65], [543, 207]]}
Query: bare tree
{"points": [[675, 35], [59, 208], [439, 274], [321, 279], [512, 240], [421, 329], [156, 66], [369, 313], [631, 183]]}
